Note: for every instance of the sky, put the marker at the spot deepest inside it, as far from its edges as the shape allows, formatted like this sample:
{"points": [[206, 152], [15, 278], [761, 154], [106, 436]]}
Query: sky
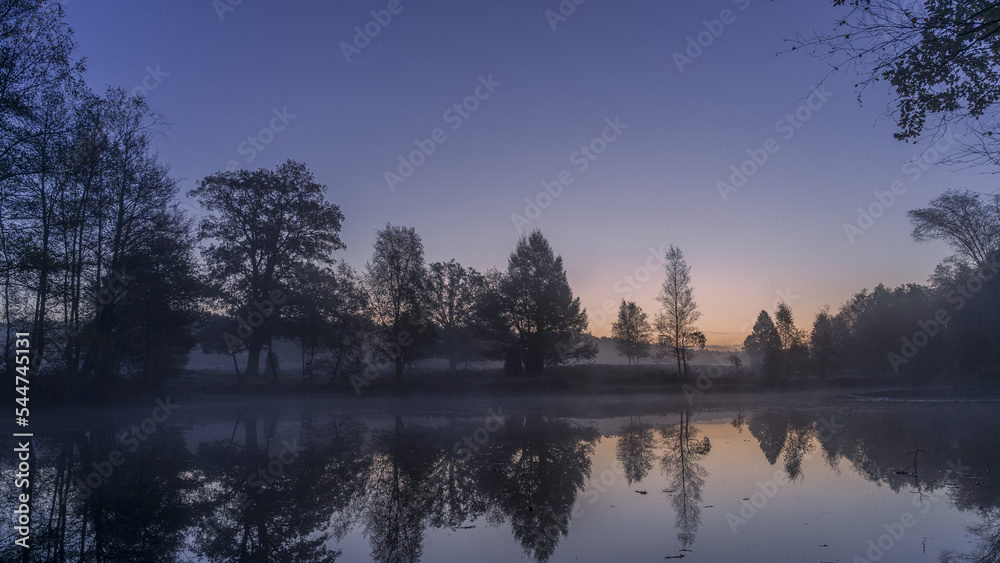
{"points": [[616, 107]]}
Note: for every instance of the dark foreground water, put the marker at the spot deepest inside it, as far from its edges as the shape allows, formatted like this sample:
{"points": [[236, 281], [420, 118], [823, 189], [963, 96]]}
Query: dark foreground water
{"points": [[797, 478]]}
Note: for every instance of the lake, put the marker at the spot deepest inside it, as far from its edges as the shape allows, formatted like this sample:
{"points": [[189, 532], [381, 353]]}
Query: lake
{"points": [[767, 477]]}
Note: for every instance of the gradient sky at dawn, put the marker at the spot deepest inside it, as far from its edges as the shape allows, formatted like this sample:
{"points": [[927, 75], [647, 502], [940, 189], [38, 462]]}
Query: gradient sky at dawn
{"points": [[218, 81]]}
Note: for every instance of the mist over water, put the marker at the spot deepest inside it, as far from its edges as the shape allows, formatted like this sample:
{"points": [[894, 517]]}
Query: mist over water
{"points": [[755, 478]]}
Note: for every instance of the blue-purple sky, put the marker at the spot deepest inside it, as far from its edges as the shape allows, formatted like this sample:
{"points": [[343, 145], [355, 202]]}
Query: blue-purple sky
{"points": [[219, 80]]}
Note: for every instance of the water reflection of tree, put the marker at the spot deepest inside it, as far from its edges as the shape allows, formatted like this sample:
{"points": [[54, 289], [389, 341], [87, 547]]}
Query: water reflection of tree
{"points": [[635, 450], [770, 428], [799, 442], [454, 495], [276, 518], [138, 512], [530, 475], [397, 498], [684, 449], [987, 534], [785, 434], [956, 445]]}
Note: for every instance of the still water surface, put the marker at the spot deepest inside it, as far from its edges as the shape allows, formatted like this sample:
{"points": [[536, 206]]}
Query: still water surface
{"points": [[761, 478]]}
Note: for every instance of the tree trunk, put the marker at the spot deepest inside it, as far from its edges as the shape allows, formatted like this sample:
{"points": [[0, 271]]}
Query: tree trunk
{"points": [[512, 362], [236, 366], [253, 357]]}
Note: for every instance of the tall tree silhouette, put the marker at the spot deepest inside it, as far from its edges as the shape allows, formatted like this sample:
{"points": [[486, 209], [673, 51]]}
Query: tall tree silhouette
{"points": [[260, 227], [397, 290], [675, 322], [763, 345], [541, 320], [452, 290], [822, 348], [632, 332]]}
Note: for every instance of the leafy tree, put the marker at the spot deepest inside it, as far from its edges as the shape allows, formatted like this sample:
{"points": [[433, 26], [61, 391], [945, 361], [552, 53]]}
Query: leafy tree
{"points": [[794, 352], [326, 313], [37, 60], [397, 287], [822, 347], [261, 226], [675, 322], [873, 327], [452, 290], [941, 58], [967, 221], [537, 309], [764, 346], [972, 331], [632, 332]]}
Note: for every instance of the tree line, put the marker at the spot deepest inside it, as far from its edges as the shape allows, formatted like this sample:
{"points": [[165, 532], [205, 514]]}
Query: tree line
{"points": [[114, 281], [949, 326]]}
